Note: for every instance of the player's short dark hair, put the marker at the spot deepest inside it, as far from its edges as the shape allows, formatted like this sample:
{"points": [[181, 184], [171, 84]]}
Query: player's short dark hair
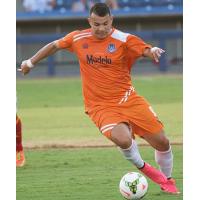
{"points": [[100, 9]]}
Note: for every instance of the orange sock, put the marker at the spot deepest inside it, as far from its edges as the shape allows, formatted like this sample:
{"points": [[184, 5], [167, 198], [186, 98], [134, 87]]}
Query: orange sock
{"points": [[19, 146]]}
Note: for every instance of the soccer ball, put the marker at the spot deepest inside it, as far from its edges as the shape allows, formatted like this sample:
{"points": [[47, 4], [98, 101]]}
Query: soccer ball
{"points": [[133, 186]]}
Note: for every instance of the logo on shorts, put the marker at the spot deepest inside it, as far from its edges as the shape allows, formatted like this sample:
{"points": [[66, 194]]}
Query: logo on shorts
{"points": [[111, 48]]}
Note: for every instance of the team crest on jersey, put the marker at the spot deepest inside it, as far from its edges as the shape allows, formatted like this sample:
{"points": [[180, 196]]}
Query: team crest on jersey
{"points": [[111, 48]]}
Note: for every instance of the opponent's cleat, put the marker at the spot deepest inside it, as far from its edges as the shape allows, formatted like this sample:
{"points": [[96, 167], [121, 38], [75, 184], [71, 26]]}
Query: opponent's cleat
{"points": [[20, 159], [170, 187]]}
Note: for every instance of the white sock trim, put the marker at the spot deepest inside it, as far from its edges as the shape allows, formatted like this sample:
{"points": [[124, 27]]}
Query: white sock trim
{"points": [[164, 152]]}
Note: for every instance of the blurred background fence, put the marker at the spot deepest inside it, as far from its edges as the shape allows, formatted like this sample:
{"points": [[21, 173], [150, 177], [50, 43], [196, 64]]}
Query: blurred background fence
{"points": [[158, 22]]}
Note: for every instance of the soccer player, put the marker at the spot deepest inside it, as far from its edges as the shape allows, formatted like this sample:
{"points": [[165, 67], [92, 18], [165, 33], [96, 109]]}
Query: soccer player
{"points": [[106, 55], [20, 158]]}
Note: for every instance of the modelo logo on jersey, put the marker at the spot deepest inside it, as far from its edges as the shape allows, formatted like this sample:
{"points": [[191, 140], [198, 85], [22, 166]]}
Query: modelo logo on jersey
{"points": [[102, 60], [111, 48]]}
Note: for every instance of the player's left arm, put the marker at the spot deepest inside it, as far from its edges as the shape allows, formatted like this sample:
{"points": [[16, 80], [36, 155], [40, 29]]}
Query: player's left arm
{"points": [[139, 48], [153, 53]]}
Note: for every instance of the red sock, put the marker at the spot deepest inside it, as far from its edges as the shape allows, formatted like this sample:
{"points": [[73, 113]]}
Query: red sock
{"points": [[19, 146]]}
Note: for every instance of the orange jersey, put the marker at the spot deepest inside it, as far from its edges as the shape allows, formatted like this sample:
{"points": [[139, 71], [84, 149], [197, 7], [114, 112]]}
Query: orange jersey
{"points": [[104, 64]]}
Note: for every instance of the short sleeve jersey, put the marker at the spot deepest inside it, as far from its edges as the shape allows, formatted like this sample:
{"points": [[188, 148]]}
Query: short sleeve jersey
{"points": [[104, 64]]}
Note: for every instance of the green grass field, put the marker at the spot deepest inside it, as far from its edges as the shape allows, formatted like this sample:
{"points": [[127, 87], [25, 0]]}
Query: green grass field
{"points": [[85, 174], [53, 116]]}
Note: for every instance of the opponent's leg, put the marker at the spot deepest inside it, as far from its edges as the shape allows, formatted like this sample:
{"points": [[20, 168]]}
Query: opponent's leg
{"points": [[19, 146], [20, 158]]}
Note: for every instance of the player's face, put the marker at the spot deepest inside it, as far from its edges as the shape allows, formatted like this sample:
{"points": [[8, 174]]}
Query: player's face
{"points": [[101, 26]]}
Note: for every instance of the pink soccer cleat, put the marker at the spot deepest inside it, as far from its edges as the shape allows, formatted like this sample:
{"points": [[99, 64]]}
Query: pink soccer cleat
{"points": [[154, 174], [158, 177], [170, 187]]}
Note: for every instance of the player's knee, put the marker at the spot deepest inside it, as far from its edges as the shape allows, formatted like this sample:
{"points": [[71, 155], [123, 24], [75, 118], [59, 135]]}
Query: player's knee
{"points": [[164, 144], [121, 136], [124, 143]]}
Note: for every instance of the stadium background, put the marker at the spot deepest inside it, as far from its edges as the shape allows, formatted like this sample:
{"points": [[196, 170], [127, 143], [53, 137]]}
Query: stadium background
{"points": [[157, 22]]}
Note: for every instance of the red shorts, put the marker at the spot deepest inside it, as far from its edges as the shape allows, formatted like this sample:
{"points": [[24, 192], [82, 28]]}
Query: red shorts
{"points": [[136, 112]]}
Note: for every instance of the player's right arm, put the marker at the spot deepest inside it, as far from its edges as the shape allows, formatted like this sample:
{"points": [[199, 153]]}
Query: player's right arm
{"points": [[44, 52], [47, 50]]}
